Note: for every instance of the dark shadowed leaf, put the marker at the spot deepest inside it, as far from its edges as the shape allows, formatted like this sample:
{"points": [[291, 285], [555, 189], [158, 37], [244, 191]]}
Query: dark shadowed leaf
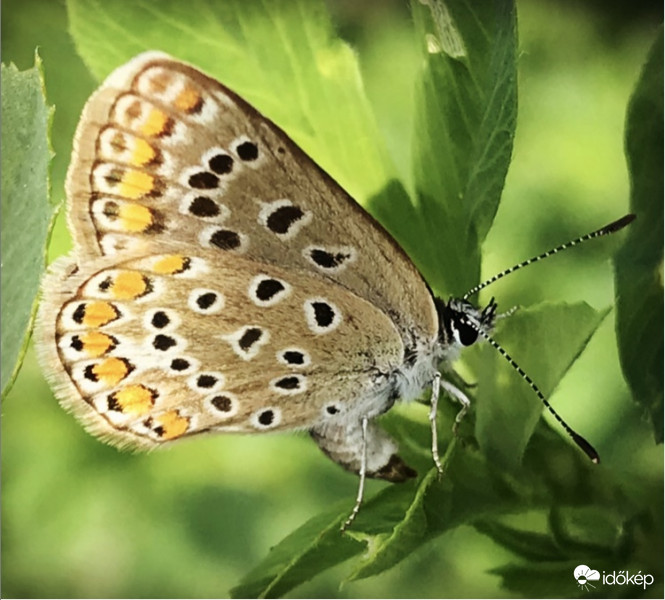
{"points": [[639, 264]]}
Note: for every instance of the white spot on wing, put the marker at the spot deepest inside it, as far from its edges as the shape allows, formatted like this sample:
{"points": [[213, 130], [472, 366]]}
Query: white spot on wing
{"points": [[113, 244], [172, 316], [154, 344], [203, 296], [323, 309], [205, 237], [268, 208], [222, 398], [343, 255], [282, 358], [290, 384], [258, 161], [250, 352], [255, 419], [277, 297], [200, 382], [186, 202]]}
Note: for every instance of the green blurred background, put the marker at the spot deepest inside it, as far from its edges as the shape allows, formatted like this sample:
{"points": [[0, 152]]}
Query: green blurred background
{"points": [[82, 519]]}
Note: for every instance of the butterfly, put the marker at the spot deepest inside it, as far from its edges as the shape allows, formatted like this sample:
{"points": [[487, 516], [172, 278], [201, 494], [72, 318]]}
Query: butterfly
{"points": [[222, 282]]}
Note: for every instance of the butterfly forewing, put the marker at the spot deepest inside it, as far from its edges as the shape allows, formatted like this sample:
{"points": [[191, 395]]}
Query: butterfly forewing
{"points": [[165, 154], [165, 346]]}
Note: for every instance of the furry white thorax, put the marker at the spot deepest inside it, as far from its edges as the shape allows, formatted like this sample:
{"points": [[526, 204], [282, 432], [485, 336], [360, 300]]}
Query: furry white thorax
{"points": [[415, 378]]}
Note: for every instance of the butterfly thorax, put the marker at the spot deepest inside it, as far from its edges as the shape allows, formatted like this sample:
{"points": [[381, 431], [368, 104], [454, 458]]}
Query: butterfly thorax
{"points": [[417, 371], [459, 323], [459, 326]]}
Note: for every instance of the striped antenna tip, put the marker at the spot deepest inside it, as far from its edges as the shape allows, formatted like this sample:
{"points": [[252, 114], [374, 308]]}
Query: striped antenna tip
{"points": [[619, 223]]}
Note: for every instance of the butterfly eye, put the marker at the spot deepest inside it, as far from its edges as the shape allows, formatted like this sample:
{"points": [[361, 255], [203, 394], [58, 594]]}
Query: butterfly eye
{"points": [[467, 334]]}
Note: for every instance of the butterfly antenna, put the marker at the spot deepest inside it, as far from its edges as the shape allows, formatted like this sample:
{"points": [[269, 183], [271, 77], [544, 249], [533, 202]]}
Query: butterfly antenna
{"points": [[607, 230], [588, 449]]}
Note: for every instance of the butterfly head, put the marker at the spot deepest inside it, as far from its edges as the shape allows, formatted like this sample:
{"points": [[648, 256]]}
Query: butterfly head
{"points": [[460, 321]]}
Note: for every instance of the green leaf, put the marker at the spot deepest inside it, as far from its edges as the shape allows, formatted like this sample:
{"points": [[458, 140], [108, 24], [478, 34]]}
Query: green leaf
{"points": [[570, 532], [639, 264], [547, 339], [466, 107], [588, 530], [27, 214], [280, 55], [386, 550], [473, 490], [542, 580], [317, 545], [533, 546]]}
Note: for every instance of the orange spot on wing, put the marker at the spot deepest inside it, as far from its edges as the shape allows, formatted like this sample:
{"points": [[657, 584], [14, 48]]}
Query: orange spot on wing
{"points": [[172, 424], [129, 284], [133, 399], [142, 153], [168, 265], [156, 123], [135, 184], [188, 100], [96, 343], [99, 313], [135, 217], [111, 371]]}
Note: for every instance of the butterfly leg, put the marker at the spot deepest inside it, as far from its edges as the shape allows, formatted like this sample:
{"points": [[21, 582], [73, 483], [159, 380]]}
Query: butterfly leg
{"points": [[434, 403], [362, 473], [461, 397]]}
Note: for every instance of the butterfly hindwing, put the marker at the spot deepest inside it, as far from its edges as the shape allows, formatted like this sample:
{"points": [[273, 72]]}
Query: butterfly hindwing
{"points": [[164, 346]]}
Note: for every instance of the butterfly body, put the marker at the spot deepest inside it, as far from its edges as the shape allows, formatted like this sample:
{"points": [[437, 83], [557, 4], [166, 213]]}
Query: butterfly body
{"points": [[222, 282]]}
